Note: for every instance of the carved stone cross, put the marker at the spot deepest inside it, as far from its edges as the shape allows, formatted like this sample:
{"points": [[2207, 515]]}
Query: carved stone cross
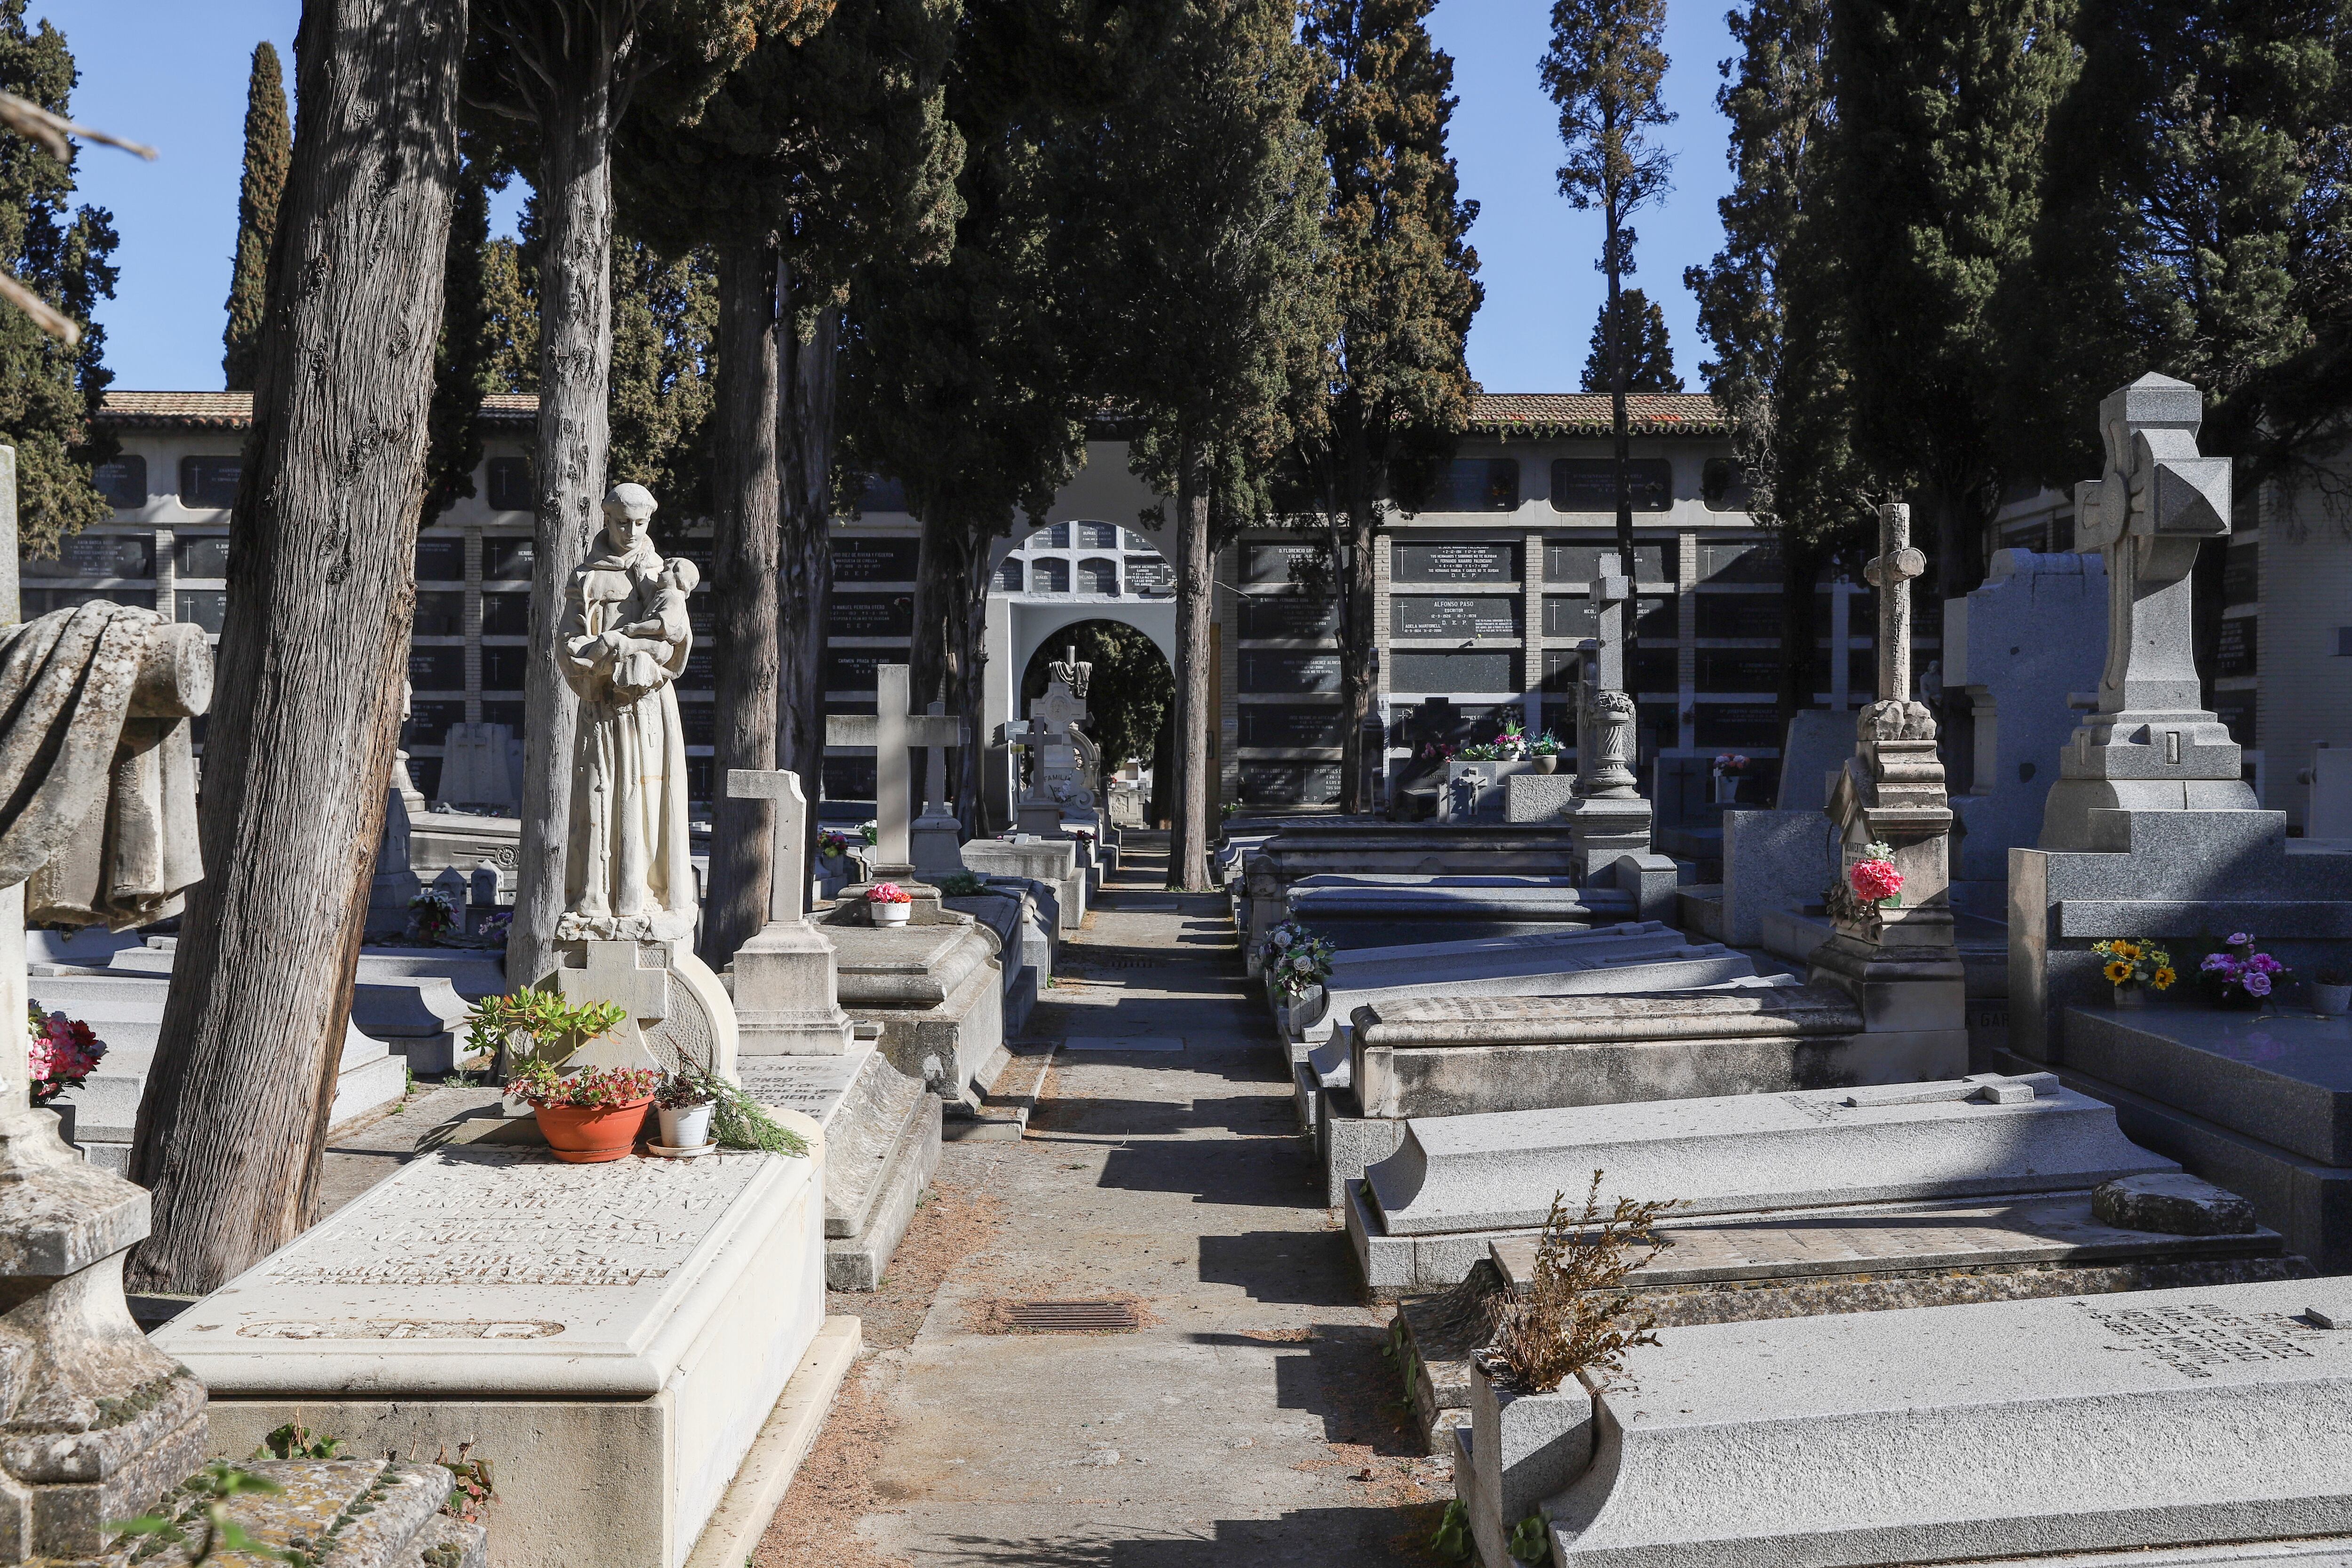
{"points": [[1605, 710], [2158, 501], [1891, 573], [613, 974], [787, 877], [1612, 588], [891, 730]]}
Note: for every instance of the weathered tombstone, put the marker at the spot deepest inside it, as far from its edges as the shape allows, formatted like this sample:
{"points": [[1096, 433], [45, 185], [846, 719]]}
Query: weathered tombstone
{"points": [[891, 730], [935, 841], [2035, 632], [2148, 745], [786, 989], [1058, 787], [1898, 960], [1812, 752], [475, 770], [396, 885]]}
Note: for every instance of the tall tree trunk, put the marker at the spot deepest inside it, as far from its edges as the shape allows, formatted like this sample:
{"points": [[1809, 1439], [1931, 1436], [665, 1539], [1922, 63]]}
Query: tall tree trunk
{"points": [[969, 696], [322, 586], [1621, 458], [939, 613], [1188, 858], [1800, 662], [575, 362], [1356, 645], [804, 443], [744, 497]]}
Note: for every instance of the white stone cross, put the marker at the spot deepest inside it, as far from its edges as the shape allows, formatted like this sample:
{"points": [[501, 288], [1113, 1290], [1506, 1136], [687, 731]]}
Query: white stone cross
{"points": [[892, 729], [614, 974], [2158, 504], [1057, 710], [787, 876], [1891, 573]]}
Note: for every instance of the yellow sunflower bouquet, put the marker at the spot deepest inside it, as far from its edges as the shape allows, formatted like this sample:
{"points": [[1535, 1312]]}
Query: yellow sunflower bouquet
{"points": [[2136, 962]]}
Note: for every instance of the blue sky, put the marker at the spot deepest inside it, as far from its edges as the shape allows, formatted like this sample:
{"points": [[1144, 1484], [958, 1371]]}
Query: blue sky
{"points": [[173, 74]]}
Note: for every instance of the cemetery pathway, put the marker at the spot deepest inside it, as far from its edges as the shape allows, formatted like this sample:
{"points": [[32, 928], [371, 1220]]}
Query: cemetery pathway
{"points": [[1250, 1419]]}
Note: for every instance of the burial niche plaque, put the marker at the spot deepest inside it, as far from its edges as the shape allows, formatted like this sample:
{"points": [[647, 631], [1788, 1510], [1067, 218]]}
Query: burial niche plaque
{"points": [[874, 560], [1432, 615], [1288, 617], [1283, 673], [1453, 563], [1292, 725]]}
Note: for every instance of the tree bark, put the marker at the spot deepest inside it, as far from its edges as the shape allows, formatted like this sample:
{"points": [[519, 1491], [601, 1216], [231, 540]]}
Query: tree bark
{"points": [[1188, 858], [969, 691], [745, 497], [1801, 664], [321, 588], [805, 396], [1621, 454], [1355, 650], [575, 362], [931, 653]]}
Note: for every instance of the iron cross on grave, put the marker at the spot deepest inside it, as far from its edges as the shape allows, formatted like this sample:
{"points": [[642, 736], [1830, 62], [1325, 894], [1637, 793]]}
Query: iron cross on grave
{"points": [[892, 731], [613, 973]]}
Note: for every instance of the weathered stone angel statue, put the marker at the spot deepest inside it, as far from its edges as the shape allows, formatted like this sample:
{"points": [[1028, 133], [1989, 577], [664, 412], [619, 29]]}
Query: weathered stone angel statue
{"points": [[620, 645]]}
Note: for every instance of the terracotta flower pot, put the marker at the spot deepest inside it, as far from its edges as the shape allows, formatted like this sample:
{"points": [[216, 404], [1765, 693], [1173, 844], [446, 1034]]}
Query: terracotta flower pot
{"points": [[580, 1135]]}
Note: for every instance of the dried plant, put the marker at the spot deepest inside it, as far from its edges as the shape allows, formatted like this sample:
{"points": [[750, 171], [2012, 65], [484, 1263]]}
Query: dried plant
{"points": [[49, 132], [1573, 1316]]}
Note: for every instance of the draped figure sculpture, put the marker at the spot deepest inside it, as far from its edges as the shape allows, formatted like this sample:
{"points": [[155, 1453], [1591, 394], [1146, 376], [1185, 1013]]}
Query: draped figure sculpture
{"points": [[620, 645]]}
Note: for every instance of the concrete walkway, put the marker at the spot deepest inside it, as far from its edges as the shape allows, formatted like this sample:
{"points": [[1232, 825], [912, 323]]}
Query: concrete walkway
{"points": [[1249, 1419]]}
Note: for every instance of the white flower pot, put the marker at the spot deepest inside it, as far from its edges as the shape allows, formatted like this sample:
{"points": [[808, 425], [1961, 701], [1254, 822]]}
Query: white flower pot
{"points": [[890, 915], [2331, 1001], [686, 1126]]}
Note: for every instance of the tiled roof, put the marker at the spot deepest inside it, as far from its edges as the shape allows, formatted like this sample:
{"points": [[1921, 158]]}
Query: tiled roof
{"points": [[1587, 414], [233, 410]]}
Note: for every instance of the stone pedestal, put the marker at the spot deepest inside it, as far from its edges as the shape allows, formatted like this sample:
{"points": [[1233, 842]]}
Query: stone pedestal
{"points": [[1605, 828], [786, 994], [936, 991]]}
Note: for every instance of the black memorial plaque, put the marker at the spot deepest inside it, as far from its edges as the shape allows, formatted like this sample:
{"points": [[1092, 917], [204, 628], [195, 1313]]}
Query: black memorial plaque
{"points": [[1290, 783], [436, 668], [429, 721], [1579, 561], [2238, 712], [1288, 617], [1739, 616], [1758, 563], [852, 669], [1432, 615], [2239, 648], [1570, 616], [1742, 724], [1738, 669], [1590, 484], [1292, 726], [1284, 674], [2242, 574], [505, 669], [503, 614], [873, 614], [874, 560], [1656, 669], [1452, 672], [695, 719], [1452, 561], [1278, 563]]}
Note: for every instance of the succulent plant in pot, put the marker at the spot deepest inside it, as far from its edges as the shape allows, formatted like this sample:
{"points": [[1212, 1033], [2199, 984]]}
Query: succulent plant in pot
{"points": [[590, 1116], [684, 1104]]}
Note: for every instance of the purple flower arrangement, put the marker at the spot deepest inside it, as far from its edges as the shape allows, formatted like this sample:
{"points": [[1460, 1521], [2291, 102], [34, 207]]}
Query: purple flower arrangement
{"points": [[2241, 977]]}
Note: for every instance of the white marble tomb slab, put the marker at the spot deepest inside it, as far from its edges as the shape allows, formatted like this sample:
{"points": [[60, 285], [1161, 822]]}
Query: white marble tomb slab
{"points": [[1751, 1152], [647, 1313], [2003, 1430]]}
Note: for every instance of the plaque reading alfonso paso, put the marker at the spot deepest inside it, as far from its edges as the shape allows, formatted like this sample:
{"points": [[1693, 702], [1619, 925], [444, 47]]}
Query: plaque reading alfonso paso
{"points": [[1453, 563], [1432, 615]]}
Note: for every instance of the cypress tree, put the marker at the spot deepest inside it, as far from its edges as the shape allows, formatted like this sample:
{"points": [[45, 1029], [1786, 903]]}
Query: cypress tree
{"points": [[1606, 70], [1404, 286], [461, 361], [48, 388], [268, 150], [2196, 220], [1228, 312], [1767, 304], [569, 73], [1649, 350], [1941, 107]]}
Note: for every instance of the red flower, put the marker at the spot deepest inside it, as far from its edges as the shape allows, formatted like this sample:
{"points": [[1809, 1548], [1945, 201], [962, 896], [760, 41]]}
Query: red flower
{"points": [[1875, 880]]}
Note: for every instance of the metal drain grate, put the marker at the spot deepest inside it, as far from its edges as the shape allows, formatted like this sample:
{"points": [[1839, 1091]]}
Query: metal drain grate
{"points": [[1093, 963], [1071, 1317]]}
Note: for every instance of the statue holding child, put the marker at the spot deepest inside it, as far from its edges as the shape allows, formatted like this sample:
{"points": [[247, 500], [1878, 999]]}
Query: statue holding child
{"points": [[622, 644]]}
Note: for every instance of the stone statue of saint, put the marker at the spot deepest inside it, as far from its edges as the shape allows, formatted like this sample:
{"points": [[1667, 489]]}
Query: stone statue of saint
{"points": [[621, 646]]}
